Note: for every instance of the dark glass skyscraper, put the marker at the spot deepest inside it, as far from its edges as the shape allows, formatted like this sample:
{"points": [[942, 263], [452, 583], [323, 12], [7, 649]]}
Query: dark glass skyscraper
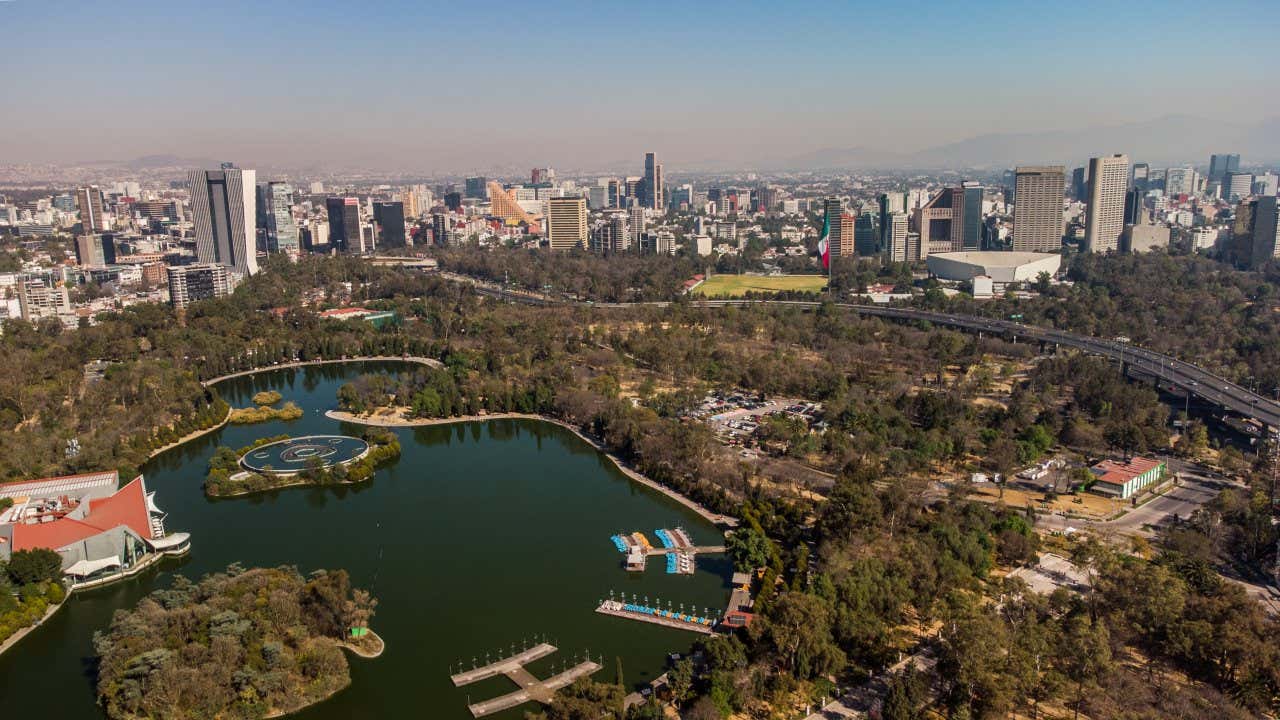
{"points": [[344, 223], [1220, 165], [388, 218], [653, 190]]}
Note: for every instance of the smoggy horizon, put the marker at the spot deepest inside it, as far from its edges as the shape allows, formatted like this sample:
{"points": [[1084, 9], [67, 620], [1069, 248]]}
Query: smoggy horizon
{"points": [[401, 85]]}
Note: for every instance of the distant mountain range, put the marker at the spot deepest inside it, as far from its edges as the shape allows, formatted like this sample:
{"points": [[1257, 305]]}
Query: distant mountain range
{"points": [[1168, 140]]}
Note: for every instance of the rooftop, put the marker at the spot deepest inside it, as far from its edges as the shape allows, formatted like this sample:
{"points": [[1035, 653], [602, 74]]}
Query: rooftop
{"points": [[1118, 472]]}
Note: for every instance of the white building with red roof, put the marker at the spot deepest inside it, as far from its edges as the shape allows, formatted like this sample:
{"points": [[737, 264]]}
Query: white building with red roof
{"points": [[1125, 478], [101, 532]]}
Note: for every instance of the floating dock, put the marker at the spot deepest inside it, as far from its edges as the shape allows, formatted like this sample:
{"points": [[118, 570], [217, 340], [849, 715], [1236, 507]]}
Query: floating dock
{"points": [[665, 618], [675, 545], [531, 688]]}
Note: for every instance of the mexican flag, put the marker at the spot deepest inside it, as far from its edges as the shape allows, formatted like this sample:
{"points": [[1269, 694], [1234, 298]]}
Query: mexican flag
{"points": [[824, 248]]}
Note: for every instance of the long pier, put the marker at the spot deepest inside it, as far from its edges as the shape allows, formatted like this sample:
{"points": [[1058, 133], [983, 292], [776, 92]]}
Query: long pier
{"points": [[531, 688], [691, 550], [610, 607], [503, 666]]}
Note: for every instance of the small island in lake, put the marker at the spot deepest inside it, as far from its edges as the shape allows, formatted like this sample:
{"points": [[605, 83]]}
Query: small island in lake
{"points": [[242, 643], [263, 410], [281, 461]]}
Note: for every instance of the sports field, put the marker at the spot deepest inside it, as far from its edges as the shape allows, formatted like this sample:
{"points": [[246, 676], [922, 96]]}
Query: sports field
{"points": [[739, 285]]}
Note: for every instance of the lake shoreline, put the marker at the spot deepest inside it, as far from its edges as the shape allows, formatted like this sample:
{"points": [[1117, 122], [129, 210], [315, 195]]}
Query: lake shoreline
{"points": [[633, 474], [429, 362]]}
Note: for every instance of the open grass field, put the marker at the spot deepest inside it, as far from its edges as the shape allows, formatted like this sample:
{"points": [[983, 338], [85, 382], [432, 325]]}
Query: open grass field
{"points": [[739, 285]]}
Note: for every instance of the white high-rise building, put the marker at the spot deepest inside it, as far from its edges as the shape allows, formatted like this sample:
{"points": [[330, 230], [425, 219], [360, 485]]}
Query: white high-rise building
{"points": [[566, 223], [1108, 180], [1037, 208], [1236, 186], [224, 213]]}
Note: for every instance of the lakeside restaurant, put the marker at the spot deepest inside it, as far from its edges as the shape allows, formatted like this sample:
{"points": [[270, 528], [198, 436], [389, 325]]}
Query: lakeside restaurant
{"points": [[102, 533]]}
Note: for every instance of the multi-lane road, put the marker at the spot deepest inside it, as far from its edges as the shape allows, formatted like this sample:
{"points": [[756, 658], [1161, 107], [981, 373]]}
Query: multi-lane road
{"points": [[1170, 372]]}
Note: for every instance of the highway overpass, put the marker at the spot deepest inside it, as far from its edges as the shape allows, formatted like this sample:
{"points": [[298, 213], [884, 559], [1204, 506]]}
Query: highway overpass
{"points": [[1166, 370]]}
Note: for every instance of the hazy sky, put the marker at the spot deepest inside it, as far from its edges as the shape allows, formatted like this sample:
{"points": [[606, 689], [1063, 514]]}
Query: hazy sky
{"points": [[451, 86]]}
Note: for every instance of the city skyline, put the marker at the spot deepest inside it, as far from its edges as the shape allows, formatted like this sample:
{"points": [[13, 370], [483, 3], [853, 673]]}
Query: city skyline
{"points": [[1036, 82]]}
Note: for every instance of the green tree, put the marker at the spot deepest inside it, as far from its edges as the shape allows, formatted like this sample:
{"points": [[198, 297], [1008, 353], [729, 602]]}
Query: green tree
{"points": [[28, 567], [749, 549]]}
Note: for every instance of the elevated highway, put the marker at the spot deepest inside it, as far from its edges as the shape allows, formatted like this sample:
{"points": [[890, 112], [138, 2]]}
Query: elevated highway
{"points": [[1168, 371]]}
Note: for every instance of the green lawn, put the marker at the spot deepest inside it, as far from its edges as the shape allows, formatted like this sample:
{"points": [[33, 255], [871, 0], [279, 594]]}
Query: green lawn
{"points": [[739, 285]]}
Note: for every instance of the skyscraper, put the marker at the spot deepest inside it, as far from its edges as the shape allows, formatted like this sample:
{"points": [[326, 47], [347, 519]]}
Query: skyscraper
{"points": [[1135, 211], [1220, 165], [89, 200], [653, 190], [388, 220], [281, 232], [864, 235], [951, 221], [889, 203], [1108, 180], [1236, 186], [1142, 176], [636, 222], [1256, 234], [96, 250], [1037, 209], [224, 214], [344, 223], [476, 187], [971, 216], [834, 216], [566, 223], [1079, 184], [1179, 181], [895, 238]]}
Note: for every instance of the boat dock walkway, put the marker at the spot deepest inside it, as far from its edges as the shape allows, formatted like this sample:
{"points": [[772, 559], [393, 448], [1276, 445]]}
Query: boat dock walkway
{"points": [[695, 549], [674, 544], [531, 688], [503, 666], [671, 620]]}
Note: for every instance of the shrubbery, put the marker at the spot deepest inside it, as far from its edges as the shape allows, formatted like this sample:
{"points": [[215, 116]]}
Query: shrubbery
{"points": [[29, 585]]}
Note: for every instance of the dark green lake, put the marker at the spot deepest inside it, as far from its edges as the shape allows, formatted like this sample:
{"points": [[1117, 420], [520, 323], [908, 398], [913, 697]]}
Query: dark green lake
{"points": [[481, 535]]}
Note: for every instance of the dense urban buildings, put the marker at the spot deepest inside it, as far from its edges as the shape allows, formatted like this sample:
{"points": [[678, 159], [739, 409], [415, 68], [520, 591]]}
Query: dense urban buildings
{"points": [[1108, 180], [1037, 209], [224, 217]]}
